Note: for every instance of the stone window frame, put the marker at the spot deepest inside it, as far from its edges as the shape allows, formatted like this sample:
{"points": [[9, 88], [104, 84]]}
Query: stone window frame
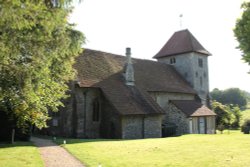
{"points": [[196, 74], [172, 60], [205, 74], [96, 110], [200, 62], [201, 81]]}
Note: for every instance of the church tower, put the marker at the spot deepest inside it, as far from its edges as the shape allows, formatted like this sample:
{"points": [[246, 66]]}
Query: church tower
{"points": [[190, 59]]}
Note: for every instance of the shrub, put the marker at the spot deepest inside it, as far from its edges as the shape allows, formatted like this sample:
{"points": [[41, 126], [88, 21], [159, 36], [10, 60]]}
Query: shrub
{"points": [[245, 128], [220, 128]]}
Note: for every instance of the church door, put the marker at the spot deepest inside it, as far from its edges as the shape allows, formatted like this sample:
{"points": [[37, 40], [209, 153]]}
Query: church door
{"points": [[202, 125]]}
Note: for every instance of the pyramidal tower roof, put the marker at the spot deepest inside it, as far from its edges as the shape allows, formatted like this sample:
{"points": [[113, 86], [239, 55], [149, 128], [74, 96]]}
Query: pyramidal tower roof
{"points": [[181, 42]]}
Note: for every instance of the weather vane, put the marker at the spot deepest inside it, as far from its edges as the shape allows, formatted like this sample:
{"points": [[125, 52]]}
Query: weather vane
{"points": [[181, 15]]}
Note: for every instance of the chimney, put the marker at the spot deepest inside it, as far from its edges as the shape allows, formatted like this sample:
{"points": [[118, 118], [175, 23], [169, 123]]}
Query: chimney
{"points": [[129, 70]]}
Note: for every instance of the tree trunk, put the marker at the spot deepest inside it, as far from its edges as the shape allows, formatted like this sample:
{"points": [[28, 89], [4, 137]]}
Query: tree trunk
{"points": [[13, 136]]}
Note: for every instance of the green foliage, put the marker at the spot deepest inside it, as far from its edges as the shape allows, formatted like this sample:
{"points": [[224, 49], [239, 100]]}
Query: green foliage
{"points": [[246, 126], [228, 116], [247, 94], [216, 94], [237, 114], [229, 96], [37, 50], [220, 128], [246, 114], [224, 117], [242, 31]]}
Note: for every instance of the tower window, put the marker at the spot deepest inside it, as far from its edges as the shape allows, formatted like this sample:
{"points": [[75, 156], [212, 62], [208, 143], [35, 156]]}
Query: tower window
{"points": [[200, 62], [196, 74], [205, 74], [172, 60], [96, 110], [201, 81]]}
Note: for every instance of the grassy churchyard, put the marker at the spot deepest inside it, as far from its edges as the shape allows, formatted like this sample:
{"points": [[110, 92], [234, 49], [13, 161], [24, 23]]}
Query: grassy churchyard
{"points": [[20, 154], [228, 149]]}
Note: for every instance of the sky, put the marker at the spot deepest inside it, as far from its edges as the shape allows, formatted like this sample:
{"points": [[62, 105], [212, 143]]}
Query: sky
{"points": [[146, 25]]}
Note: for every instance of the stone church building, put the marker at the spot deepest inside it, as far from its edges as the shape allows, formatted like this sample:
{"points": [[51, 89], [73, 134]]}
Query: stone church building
{"points": [[118, 96]]}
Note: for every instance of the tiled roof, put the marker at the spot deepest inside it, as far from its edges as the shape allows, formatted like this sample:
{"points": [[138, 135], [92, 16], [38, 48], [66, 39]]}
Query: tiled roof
{"points": [[105, 71], [192, 108], [181, 42], [94, 67]]}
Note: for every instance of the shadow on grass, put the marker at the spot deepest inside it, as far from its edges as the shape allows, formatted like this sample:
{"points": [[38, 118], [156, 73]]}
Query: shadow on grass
{"points": [[61, 140], [47, 141], [16, 144]]}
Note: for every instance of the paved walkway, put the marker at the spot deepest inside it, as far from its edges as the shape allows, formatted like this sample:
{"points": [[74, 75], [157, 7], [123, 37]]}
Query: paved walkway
{"points": [[54, 155]]}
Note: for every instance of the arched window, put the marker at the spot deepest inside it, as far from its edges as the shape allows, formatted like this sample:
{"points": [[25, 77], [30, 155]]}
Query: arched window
{"points": [[96, 110]]}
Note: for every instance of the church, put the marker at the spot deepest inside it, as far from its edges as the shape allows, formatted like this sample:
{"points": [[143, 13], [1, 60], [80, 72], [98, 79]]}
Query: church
{"points": [[121, 97]]}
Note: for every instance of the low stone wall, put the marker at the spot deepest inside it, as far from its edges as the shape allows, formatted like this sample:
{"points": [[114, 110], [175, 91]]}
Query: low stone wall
{"points": [[152, 126], [132, 127], [137, 127]]}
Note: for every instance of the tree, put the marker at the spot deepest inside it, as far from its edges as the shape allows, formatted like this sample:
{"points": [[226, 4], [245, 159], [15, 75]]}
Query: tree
{"points": [[37, 50], [245, 128], [237, 114], [247, 94], [228, 116], [216, 94], [225, 118], [242, 32], [229, 96]]}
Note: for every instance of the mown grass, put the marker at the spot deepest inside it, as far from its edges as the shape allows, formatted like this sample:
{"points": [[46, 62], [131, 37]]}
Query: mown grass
{"points": [[20, 154], [220, 150]]}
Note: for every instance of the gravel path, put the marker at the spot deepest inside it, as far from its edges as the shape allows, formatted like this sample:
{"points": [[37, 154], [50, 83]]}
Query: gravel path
{"points": [[54, 155]]}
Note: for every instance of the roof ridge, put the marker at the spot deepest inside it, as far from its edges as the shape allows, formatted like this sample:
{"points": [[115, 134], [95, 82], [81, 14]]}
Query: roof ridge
{"points": [[182, 30], [104, 52], [118, 55], [190, 38]]}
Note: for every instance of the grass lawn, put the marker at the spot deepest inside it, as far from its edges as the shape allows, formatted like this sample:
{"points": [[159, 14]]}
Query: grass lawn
{"points": [[220, 150], [20, 154]]}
